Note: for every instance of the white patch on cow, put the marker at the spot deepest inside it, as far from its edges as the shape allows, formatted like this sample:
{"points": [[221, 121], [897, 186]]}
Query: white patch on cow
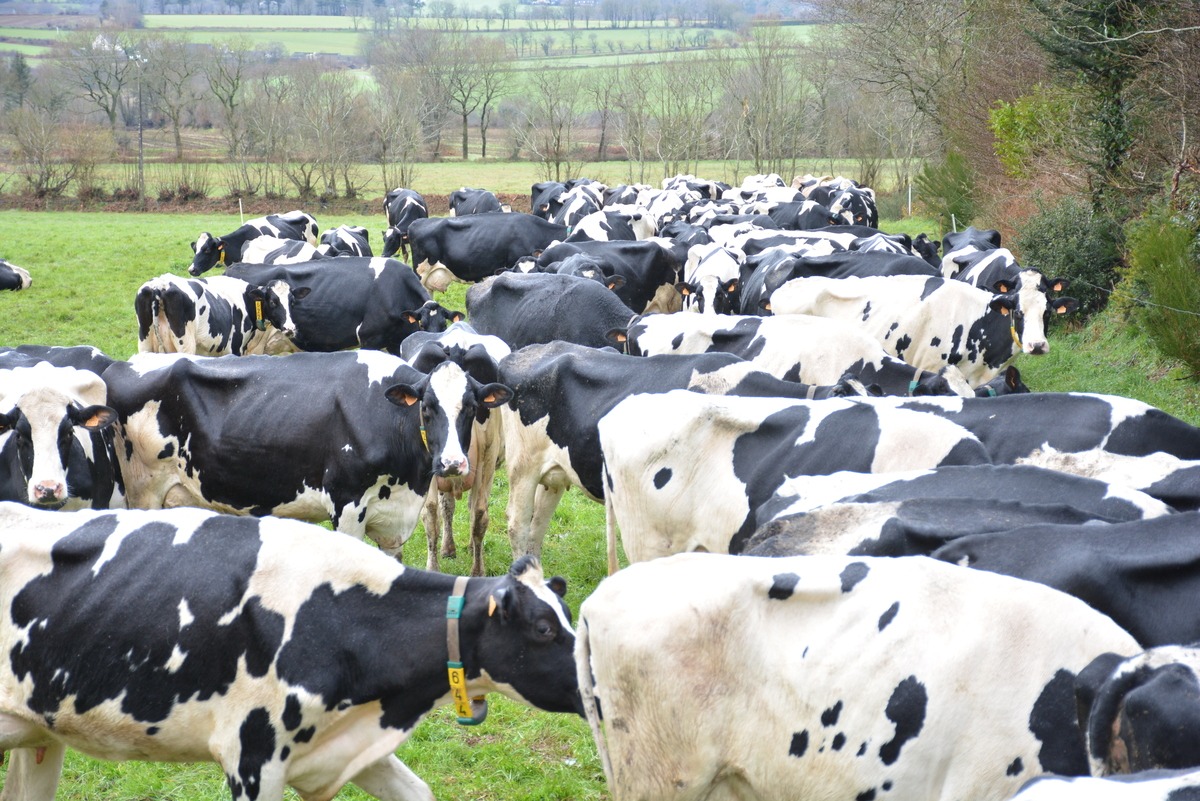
{"points": [[185, 614], [449, 385], [1032, 302], [381, 367], [805, 493], [175, 660], [1122, 409], [378, 264], [1126, 476], [348, 448]]}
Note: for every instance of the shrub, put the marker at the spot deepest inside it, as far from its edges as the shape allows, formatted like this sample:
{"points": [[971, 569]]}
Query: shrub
{"points": [[1165, 277], [947, 191], [1067, 239]]}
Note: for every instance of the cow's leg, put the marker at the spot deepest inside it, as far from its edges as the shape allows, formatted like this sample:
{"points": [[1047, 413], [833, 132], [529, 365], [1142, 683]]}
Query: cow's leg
{"points": [[262, 782], [33, 773], [389, 779], [481, 491], [429, 518], [543, 509], [448, 549]]}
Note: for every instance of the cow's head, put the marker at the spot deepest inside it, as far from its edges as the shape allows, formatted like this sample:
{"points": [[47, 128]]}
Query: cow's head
{"points": [[433, 317], [459, 388], [526, 646], [272, 305], [1024, 302], [394, 241], [210, 251], [40, 427], [855, 206], [710, 295]]}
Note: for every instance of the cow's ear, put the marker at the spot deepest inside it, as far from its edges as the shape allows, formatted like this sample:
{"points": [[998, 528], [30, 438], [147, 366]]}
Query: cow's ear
{"points": [[1002, 286], [94, 418], [1003, 304], [300, 293], [8, 421], [731, 286], [455, 316], [503, 600], [765, 305], [1088, 683], [618, 336], [559, 585], [615, 282], [1064, 305], [1012, 379], [1059, 284], [428, 357], [411, 318], [403, 394], [193, 247], [683, 288], [493, 395]]}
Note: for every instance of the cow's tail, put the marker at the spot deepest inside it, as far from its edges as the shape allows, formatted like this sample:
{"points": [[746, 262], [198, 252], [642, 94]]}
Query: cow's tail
{"points": [[587, 694], [610, 521]]}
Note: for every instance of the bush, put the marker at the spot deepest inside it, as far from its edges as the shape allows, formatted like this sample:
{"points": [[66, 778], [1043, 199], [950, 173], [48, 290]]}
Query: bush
{"points": [[1066, 239], [1164, 277], [947, 191]]}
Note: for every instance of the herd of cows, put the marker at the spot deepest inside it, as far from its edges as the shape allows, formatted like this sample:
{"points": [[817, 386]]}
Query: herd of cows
{"points": [[804, 431]]}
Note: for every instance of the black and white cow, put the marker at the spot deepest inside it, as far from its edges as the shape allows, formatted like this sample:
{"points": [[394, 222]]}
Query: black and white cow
{"points": [[710, 283], [480, 355], [286, 654], [197, 432], [346, 240], [1141, 573], [433, 317], [801, 215], [1141, 711], [221, 250], [607, 225], [932, 322], [649, 268], [958, 244], [914, 514], [81, 357], [1172, 480], [832, 677], [473, 201], [402, 207], [353, 303], [56, 444], [561, 390], [476, 246], [273, 250], [545, 198], [13, 277], [795, 347], [578, 202], [535, 308], [215, 316], [666, 499]]}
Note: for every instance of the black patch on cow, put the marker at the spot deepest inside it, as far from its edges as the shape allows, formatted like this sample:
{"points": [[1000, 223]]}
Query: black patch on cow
{"points": [[901, 345], [783, 585], [906, 708], [662, 477], [866, 795], [852, 574], [888, 616], [168, 451], [677, 342], [304, 735], [258, 748], [385, 492], [1054, 722], [830, 716], [103, 632], [292, 715], [284, 753], [866, 313], [1184, 794], [935, 341], [862, 749], [151, 731], [799, 744], [887, 785], [931, 285], [362, 514], [839, 740], [1015, 768]]}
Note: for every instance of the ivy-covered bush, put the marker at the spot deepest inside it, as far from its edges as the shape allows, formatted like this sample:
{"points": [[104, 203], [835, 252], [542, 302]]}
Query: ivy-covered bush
{"points": [[946, 190], [1164, 282], [1066, 238]]}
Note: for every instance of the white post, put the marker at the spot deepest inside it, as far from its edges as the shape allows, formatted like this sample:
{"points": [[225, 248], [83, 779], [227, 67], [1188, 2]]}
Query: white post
{"points": [[910, 198], [241, 213], [953, 222]]}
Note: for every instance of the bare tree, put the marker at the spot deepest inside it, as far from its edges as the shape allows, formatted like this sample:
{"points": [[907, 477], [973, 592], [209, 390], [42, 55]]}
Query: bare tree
{"points": [[227, 72], [495, 82], [552, 121], [397, 127], [99, 65], [634, 114], [601, 90], [170, 75]]}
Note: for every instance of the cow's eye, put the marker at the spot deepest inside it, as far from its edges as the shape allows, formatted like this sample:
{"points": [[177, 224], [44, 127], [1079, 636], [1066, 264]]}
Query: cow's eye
{"points": [[543, 630]]}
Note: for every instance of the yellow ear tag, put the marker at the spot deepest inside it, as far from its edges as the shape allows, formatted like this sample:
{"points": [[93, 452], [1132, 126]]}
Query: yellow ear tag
{"points": [[424, 438], [458, 690], [491, 605]]}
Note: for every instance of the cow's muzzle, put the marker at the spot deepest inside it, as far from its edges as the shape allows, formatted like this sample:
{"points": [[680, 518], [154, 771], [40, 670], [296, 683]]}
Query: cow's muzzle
{"points": [[51, 494]]}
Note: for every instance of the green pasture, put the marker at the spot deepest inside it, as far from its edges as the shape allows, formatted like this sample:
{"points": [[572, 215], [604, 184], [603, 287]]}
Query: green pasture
{"points": [[86, 268]]}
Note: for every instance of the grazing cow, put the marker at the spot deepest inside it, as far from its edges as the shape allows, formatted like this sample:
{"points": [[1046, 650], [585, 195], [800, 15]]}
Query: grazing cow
{"points": [[1146, 785], [855, 204], [480, 356], [433, 317], [477, 246], [81, 357], [710, 284], [1141, 573], [13, 277], [213, 250], [932, 322], [355, 303], [916, 513], [365, 433], [346, 240], [1006, 383], [215, 316], [56, 445], [607, 225], [649, 267], [957, 244], [578, 202], [802, 215], [832, 677], [287, 655], [535, 308], [273, 250], [667, 499], [402, 207], [473, 201], [1141, 711], [795, 347], [562, 390]]}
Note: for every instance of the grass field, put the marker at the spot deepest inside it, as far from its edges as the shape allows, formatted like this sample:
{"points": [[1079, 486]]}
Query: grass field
{"points": [[86, 268]]}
